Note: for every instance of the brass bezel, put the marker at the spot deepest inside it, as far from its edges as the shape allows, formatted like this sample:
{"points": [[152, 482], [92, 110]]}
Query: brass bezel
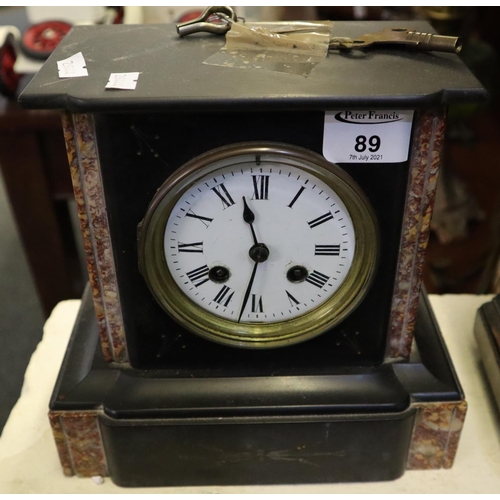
{"points": [[258, 335]]}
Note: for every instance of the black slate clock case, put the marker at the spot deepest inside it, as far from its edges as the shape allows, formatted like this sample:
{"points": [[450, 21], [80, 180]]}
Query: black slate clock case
{"points": [[186, 411], [130, 181]]}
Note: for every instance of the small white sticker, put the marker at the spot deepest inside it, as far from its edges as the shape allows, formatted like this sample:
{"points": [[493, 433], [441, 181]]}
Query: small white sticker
{"points": [[123, 81], [72, 67], [371, 136]]}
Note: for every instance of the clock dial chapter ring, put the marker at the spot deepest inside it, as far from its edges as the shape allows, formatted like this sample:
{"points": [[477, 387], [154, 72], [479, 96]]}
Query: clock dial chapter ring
{"points": [[201, 304]]}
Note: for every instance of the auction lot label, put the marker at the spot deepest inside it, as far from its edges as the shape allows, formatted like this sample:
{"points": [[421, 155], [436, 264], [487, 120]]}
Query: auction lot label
{"points": [[371, 136]]}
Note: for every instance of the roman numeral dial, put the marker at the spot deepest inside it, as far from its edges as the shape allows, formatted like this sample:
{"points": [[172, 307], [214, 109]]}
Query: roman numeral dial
{"points": [[190, 247], [291, 298], [257, 306], [333, 250], [317, 279], [224, 195], [253, 241], [320, 220], [204, 220], [224, 296], [198, 276], [296, 197], [260, 187]]}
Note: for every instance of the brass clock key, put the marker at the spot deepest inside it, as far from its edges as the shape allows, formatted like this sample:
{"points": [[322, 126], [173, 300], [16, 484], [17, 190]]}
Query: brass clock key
{"points": [[218, 20]]}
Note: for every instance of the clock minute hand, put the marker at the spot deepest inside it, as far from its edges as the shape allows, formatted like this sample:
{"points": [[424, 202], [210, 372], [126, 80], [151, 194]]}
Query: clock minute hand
{"points": [[258, 253], [248, 290]]}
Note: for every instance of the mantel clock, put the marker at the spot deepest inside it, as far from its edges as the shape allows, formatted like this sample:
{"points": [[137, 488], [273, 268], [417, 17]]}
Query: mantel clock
{"points": [[254, 241]]}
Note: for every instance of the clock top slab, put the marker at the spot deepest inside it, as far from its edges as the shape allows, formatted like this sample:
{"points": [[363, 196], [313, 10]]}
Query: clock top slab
{"points": [[173, 76]]}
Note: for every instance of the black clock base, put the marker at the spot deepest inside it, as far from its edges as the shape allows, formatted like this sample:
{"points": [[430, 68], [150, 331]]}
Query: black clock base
{"points": [[487, 333], [148, 428]]}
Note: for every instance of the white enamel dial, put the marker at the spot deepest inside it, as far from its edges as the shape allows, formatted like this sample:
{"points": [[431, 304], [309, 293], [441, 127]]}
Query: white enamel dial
{"points": [[302, 221], [258, 245]]}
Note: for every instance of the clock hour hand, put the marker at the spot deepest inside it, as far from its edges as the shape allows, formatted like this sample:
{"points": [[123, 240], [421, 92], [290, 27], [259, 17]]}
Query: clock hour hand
{"points": [[249, 218], [258, 253]]}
